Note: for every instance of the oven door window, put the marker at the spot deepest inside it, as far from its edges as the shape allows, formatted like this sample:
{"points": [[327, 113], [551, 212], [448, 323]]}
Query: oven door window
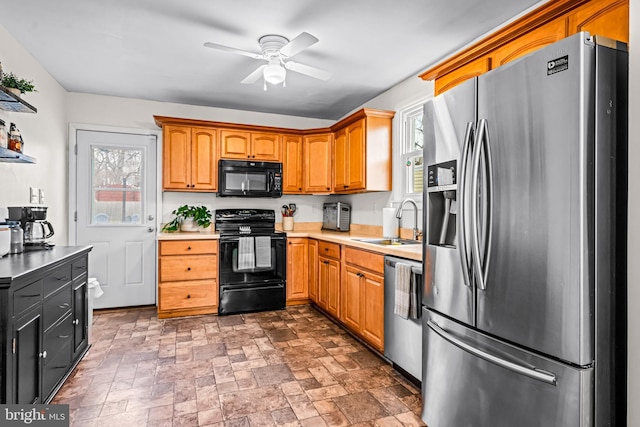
{"points": [[246, 181], [263, 262]]}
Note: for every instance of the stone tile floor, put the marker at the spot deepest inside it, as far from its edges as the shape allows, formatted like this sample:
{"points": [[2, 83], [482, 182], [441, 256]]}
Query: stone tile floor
{"points": [[287, 368]]}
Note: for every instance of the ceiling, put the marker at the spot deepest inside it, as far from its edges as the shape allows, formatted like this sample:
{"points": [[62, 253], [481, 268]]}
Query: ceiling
{"points": [[153, 49]]}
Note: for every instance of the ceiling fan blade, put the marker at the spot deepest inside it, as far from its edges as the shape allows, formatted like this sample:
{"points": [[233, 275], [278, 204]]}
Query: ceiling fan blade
{"points": [[234, 50], [254, 76], [308, 70], [298, 44]]}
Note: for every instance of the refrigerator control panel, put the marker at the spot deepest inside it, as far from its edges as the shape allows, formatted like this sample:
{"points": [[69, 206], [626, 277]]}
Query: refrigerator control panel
{"points": [[442, 174]]}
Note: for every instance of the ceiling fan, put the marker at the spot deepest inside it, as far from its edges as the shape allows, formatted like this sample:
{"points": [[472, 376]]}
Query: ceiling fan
{"points": [[277, 50]]}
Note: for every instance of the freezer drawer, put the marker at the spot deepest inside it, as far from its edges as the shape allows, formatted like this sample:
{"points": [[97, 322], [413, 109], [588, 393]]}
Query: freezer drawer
{"points": [[473, 380]]}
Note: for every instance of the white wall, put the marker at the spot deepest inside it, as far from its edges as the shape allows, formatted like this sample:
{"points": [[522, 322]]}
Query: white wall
{"points": [[633, 280], [45, 136]]}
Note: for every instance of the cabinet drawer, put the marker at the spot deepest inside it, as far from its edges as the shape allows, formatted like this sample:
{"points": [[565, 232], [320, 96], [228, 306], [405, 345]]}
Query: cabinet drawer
{"points": [[26, 297], [364, 259], [58, 337], [56, 306], [178, 268], [175, 296], [57, 279], [79, 267], [330, 250], [188, 247]]}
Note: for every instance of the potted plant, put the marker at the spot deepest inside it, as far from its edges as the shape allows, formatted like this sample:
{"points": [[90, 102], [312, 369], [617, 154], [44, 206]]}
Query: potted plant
{"points": [[17, 85], [189, 218]]}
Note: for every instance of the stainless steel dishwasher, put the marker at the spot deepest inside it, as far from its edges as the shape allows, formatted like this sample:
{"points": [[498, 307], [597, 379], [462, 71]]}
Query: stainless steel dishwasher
{"points": [[402, 337]]}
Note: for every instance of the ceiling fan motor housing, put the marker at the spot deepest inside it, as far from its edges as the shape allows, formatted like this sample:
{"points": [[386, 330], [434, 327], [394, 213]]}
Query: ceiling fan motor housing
{"points": [[271, 45]]}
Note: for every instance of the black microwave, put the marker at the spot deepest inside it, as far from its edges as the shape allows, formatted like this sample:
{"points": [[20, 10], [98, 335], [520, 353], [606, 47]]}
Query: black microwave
{"points": [[240, 178]]}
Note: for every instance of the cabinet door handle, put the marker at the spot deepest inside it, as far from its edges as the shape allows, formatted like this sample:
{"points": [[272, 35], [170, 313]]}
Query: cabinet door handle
{"points": [[188, 296], [188, 268], [65, 305], [188, 248], [43, 355], [76, 322]]}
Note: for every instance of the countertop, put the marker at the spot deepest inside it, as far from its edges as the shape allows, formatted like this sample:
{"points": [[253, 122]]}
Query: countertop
{"points": [[14, 266], [413, 252]]}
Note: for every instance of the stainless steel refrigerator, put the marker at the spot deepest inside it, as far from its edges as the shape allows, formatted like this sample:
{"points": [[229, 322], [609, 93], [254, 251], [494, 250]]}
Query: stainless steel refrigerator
{"points": [[524, 299]]}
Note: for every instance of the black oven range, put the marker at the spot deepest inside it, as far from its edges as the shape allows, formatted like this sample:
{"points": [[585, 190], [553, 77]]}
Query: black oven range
{"points": [[252, 261]]}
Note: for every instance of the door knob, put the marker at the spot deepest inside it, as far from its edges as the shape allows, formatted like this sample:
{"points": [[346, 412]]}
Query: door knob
{"points": [[150, 229], [151, 217]]}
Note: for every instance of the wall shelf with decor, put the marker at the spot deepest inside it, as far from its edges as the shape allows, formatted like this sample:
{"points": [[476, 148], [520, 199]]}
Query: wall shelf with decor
{"points": [[12, 102], [10, 156]]}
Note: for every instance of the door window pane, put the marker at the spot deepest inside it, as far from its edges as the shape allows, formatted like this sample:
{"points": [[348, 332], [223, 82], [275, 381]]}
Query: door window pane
{"points": [[117, 187]]}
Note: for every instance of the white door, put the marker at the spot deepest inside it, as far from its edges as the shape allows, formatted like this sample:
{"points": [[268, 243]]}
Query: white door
{"points": [[115, 205]]}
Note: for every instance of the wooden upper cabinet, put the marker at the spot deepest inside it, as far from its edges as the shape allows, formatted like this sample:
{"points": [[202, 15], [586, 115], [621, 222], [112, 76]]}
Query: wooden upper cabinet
{"points": [[204, 159], [349, 167], [189, 159], [266, 146], [604, 18], [235, 144], [362, 153], [340, 159], [317, 163], [176, 158], [249, 145], [459, 75], [292, 164], [554, 20], [529, 42]]}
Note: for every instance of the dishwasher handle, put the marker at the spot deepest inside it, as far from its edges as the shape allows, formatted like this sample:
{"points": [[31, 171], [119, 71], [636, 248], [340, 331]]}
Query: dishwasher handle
{"points": [[414, 270]]}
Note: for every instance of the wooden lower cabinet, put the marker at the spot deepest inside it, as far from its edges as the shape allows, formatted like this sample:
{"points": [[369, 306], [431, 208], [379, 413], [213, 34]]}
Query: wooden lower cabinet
{"points": [[348, 284], [297, 271], [187, 277], [313, 270], [362, 295]]}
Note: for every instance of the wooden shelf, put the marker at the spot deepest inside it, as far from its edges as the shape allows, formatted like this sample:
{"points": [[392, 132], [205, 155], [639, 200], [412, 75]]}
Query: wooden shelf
{"points": [[10, 156], [11, 102]]}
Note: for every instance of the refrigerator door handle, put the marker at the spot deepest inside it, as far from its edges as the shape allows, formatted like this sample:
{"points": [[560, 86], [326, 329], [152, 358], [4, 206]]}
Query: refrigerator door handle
{"points": [[462, 211], [481, 255], [531, 372]]}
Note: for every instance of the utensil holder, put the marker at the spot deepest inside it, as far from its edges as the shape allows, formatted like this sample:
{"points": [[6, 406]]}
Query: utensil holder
{"points": [[287, 223]]}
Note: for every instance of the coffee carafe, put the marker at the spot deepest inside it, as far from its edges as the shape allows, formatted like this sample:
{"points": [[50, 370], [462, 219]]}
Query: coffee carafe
{"points": [[37, 232], [36, 228]]}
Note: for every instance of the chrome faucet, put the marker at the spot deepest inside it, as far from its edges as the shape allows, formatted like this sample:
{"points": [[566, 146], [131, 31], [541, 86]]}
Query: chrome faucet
{"points": [[416, 233]]}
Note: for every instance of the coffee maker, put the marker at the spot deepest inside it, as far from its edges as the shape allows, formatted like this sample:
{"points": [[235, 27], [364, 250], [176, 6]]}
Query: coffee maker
{"points": [[35, 227]]}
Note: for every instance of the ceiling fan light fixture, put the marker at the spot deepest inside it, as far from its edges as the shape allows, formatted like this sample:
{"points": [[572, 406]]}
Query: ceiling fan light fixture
{"points": [[274, 73]]}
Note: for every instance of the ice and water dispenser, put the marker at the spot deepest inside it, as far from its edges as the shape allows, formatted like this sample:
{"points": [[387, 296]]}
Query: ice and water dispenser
{"points": [[443, 206]]}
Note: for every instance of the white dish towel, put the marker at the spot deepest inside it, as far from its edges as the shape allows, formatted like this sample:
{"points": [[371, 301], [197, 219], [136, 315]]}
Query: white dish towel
{"points": [[402, 304], [263, 251], [246, 254]]}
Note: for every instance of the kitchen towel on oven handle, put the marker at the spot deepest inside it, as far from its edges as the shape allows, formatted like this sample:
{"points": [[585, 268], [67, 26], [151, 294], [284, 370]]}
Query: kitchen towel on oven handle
{"points": [[263, 251], [246, 254]]}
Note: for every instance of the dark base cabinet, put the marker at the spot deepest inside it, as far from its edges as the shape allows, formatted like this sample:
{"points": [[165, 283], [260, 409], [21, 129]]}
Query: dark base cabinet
{"points": [[44, 303]]}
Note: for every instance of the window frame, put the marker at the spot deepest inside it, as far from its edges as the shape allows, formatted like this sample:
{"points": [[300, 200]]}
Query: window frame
{"points": [[406, 114]]}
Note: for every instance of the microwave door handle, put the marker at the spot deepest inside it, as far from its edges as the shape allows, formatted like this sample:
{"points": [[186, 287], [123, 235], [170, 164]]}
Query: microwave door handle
{"points": [[271, 181]]}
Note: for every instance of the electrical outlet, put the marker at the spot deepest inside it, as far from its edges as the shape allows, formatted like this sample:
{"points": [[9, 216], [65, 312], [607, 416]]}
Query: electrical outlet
{"points": [[41, 196], [33, 195]]}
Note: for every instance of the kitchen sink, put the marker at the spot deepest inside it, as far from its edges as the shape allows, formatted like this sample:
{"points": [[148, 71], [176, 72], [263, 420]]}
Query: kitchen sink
{"points": [[390, 242]]}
